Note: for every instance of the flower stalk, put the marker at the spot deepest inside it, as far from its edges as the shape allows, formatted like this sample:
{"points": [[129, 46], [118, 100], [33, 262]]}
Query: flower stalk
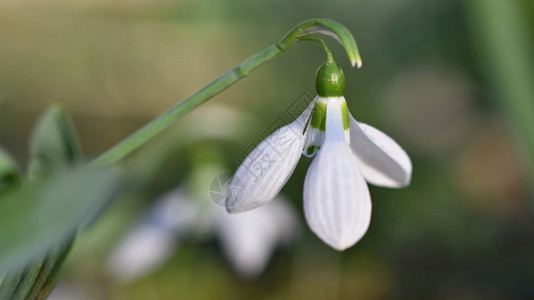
{"points": [[306, 30]]}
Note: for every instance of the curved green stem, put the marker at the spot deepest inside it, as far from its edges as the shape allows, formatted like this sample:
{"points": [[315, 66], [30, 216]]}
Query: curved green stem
{"points": [[303, 31], [329, 56]]}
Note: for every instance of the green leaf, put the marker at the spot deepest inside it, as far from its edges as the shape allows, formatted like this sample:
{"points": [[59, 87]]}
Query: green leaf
{"points": [[53, 144], [53, 147], [17, 284], [43, 215], [9, 172], [49, 269]]}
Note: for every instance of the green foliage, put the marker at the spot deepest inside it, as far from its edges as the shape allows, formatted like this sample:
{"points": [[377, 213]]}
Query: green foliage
{"points": [[9, 172], [42, 215], [53, 145], [41, 219]]}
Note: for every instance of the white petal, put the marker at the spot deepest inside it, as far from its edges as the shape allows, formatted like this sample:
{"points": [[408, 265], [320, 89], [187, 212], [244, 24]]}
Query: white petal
{"points": [[141, 252], [337, 203], [174, 212], [267, 168], [154, 239], [249, 239], [315, 136], [381, 160]]}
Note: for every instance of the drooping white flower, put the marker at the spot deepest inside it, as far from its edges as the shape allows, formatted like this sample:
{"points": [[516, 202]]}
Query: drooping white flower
{"points": [[154, 238], [337, 204], [247, 240]]}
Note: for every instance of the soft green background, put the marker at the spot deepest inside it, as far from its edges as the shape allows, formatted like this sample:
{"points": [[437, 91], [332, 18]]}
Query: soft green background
{"points": [[448, 79]]}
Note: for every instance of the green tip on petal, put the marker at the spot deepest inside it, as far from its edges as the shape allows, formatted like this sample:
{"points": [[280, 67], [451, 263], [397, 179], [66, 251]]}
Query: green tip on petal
{"points": [[329, 80], [311, 149]]}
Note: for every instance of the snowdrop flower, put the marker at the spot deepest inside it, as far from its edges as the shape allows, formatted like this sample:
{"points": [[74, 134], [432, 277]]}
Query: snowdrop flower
{"points": [[154, 238], [247, 240], [337, 204]]}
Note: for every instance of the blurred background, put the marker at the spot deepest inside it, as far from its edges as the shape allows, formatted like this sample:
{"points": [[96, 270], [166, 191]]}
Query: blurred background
{"points": [[451, 81]]}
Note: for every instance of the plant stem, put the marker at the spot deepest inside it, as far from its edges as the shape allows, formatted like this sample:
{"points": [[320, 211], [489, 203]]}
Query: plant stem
{"points": [[304, 30], [329, 56], [167, 118]]}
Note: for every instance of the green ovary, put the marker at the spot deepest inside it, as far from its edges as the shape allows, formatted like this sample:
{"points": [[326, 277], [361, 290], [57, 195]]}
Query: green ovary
{"points": [[329, 80]]}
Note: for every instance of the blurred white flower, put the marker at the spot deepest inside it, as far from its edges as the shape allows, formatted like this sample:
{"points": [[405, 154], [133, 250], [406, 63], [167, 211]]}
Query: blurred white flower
{"points": [[154, 239], [337, 203], [247, 240]]}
